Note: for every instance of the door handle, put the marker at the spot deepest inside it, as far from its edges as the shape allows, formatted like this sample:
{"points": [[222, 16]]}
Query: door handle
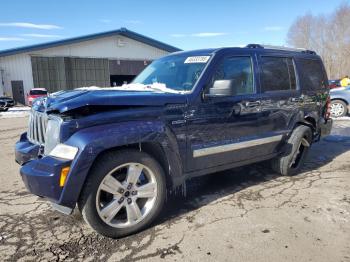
{"points": [[252, 104], [297, 99]]}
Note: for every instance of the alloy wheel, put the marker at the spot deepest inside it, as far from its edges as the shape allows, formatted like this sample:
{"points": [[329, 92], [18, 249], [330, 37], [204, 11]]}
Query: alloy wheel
{"points": [[126, 195], [337, 109]]}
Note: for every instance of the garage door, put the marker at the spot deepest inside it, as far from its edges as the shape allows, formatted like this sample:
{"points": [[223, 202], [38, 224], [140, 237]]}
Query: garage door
{"points": [[127, 67], [61, 73]]}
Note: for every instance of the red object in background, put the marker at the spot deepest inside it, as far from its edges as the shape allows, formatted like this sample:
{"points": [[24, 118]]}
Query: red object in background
{"points": [[334, 83], [35, 93], [333, 86]]}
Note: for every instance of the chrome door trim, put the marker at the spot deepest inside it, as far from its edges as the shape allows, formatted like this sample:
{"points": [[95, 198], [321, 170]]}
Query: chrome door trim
{"points": [[235, 146]]}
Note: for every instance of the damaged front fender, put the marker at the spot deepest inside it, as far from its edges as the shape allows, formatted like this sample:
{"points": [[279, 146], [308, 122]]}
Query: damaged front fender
{"points": [[94, 140]]}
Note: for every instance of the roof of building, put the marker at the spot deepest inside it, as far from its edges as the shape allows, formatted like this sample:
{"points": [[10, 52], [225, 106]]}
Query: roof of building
{"points": [[122, 31]]}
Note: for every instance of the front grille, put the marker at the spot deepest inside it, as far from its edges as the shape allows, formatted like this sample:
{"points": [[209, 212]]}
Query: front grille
{"points": [[37, 127]]}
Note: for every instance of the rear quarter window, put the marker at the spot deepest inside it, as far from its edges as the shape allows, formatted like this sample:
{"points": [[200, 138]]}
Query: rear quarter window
{"points": [[311, 73], [37, 92]]}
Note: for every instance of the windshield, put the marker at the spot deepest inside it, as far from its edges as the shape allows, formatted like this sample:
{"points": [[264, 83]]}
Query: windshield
{"points": [[37, 92], [179, 73]]}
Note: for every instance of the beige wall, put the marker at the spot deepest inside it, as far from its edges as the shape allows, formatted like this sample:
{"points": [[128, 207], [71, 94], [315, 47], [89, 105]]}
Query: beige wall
{"points": [[107, 47], [18, 67]]}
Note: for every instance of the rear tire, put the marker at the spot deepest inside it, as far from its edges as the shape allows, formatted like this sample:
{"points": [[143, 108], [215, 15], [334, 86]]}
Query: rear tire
{"points": [[4, 109], [300, 140], [124, 193]]}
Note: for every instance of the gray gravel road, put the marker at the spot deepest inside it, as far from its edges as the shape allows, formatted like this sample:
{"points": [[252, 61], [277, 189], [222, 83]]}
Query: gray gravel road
{"points": [[244, 214]]}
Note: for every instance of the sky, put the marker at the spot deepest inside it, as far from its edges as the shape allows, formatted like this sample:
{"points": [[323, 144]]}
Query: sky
{"points": [[185, 24]]}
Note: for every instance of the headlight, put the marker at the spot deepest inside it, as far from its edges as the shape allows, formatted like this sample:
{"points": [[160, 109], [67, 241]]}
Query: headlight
{"points": [[52, 136], [64, 151]]}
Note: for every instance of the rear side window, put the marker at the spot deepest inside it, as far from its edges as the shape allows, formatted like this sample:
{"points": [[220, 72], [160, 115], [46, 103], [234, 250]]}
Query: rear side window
{"points": [[277, 74], [238, 69], [37, 92], [312, 76]]}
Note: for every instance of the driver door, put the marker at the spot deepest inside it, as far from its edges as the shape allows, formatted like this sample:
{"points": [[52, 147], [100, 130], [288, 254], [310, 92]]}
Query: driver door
{"points": [[225, 129]]}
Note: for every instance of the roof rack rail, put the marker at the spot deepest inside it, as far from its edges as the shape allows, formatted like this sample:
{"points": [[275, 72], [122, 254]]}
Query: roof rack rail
{"points": [[283, 48], [254, 46], [309, 52]]}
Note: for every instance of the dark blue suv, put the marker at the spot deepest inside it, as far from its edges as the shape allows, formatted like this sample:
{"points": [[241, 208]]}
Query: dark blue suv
{"points": [[116, 152]]}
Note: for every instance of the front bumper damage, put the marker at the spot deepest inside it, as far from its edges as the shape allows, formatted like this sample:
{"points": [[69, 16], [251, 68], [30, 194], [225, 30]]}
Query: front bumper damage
{"points": [[41, 174]]}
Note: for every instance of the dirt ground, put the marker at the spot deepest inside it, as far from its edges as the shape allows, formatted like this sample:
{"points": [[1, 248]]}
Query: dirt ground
{"points": [[244, 214]]}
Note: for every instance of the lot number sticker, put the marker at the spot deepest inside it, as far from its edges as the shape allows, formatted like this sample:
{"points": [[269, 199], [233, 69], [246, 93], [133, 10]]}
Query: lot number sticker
{"points": [[196, 59]]}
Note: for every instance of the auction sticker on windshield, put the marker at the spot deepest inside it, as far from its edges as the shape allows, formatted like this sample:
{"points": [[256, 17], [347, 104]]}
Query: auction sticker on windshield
{"points": [[196, 59]]}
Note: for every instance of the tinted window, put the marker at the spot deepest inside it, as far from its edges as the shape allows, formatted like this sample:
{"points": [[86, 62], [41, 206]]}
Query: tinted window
{"points": [[37, 92], [240, 71], [277, 74], [312, 74]]}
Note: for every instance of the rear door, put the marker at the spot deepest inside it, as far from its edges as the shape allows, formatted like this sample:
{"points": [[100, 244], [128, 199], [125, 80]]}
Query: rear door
{"points": [[280, 96]]}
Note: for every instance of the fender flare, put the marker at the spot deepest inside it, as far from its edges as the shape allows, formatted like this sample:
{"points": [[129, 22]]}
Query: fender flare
{"points": [[94, 140]]}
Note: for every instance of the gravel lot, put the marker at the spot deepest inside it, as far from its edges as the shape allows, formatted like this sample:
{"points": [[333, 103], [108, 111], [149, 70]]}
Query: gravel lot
{"points": [[244, 214]]}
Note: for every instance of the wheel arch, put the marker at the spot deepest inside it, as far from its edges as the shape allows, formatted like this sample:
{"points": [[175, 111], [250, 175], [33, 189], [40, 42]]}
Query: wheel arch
{"points": [[309, 121], [154, 149], [341, 99], [155, 139]]}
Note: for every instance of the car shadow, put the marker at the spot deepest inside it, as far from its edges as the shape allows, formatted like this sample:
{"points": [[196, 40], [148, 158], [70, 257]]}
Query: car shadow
{"points": [[203, 190]]}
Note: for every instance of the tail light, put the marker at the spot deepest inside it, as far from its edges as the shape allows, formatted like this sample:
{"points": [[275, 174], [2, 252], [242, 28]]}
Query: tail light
{"points": [[327, 114]]}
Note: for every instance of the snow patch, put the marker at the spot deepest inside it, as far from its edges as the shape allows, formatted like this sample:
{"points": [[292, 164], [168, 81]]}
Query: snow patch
{"points": [[342, 118], [155, 87], [13, 112]]}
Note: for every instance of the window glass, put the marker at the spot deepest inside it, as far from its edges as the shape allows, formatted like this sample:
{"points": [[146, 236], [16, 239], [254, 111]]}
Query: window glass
{"points": [[312, 74], [277, 74], [177, 72], [37, 92], [239, 70]]}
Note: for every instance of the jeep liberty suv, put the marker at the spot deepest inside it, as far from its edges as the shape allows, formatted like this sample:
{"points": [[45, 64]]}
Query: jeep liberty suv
{"points": [[116, 152]]}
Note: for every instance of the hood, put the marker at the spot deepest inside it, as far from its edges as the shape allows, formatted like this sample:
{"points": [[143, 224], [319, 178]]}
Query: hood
{"points": [[64, 101], [339, 89]]}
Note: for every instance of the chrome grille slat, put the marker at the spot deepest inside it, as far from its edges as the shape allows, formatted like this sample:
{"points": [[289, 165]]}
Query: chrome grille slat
{"points": [[40, 129], [37, 127], [29, 126]]}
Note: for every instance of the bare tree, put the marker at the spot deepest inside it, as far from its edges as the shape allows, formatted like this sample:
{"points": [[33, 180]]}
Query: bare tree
{"points": [[328, 35]]}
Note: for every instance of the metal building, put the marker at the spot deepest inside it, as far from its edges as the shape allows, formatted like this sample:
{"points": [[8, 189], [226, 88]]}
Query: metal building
{"points": [[103, 59]]}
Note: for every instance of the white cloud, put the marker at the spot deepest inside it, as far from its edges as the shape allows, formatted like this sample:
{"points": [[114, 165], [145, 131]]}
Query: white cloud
{"points": [[40, 35], [105, 21], [207, 34], [134, 22], [12, 39], [30, 25], [273, 28]]}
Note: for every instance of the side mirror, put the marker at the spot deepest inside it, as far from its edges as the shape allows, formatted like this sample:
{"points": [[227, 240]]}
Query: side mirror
{"points": [[221, 88]]}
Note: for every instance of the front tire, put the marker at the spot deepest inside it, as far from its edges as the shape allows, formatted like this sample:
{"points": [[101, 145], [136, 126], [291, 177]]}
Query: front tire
{"points": [[124, 193], [300, 140]]}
